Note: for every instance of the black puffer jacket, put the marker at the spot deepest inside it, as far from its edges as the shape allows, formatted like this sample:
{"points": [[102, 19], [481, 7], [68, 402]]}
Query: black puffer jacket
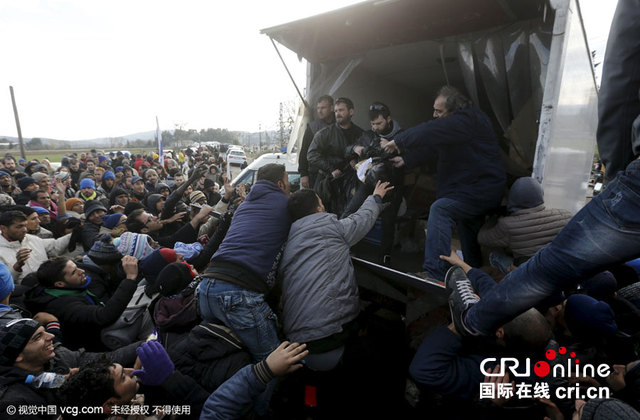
{"points": [[209, 353], [330, 147]]}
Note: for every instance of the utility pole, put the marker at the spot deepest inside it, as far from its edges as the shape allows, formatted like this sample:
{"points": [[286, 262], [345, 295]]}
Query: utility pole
{"points": [[15, 113], [281, 128]]}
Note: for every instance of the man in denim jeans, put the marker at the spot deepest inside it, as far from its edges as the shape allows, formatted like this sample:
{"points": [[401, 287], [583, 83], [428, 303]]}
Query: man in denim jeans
{"points": [[471, 176], [243, 269], [239, 275], [607, 230]]}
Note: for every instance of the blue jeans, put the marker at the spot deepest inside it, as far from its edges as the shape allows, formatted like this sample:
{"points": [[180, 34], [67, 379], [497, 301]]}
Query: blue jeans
{"points": [[444, 215], [605, 232], [244, 311], [249, 316], [500, 261]]}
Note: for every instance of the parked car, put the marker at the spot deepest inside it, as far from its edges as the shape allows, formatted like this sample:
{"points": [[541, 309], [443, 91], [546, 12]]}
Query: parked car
{"points": [[236, 157]]}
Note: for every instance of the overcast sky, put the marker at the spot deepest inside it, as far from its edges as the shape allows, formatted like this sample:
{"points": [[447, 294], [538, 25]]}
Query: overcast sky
{"points": [[83, 69]]}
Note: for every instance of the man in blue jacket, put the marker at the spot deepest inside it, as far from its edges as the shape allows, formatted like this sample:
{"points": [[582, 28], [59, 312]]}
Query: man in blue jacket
{"points": [[470, 175], [242, 270]]}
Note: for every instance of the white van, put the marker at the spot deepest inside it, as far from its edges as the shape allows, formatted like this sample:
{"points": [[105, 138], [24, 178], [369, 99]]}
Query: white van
{"points": [[248, 174]]}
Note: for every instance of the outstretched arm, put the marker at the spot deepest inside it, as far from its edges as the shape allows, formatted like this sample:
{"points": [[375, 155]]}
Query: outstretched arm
{"points": [[234, 395]]}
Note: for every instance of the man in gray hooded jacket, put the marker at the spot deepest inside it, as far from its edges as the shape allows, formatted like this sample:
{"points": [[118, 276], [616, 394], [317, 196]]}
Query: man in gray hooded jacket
{"points": [[320, 297], [528, 227]]}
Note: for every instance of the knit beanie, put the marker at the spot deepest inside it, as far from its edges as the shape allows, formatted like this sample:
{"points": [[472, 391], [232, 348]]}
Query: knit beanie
{"points": [[93, 205], [208, 183], [116, 191], [136, 179], [6, 281], [14, 336], [68, 204], [3, 173], [601, 286], [88, 183], [38, 176], [41, 210], [62, 176], [25, 181], [159, 259], [41, 167], [103, 252], [174, 277], [109, 175], [525, 193], [111, 220], [134, 244], [608, 409], [196, 196], [586, 316], [6, 200], [153, 265], [101, 159]]}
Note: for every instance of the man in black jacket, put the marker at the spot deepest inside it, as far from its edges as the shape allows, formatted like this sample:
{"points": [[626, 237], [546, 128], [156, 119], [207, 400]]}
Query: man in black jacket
{"points": [[328, 155], [368, 146], [63, 292], [325, 118], [471, 177]]}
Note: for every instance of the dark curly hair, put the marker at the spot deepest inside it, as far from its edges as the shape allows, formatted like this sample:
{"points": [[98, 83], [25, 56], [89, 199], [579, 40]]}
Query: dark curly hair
{"points": [[92, 386]]}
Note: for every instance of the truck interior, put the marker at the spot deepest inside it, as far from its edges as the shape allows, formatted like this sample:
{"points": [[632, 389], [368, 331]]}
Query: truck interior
{"points": [[402, 52], [499, 52]]}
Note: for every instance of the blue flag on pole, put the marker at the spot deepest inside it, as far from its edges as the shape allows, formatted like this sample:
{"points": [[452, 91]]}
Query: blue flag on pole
{"points": [[160, 149]]}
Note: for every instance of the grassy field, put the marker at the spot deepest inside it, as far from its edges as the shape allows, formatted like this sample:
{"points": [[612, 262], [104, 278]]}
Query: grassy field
{"points": [[57, 155]]}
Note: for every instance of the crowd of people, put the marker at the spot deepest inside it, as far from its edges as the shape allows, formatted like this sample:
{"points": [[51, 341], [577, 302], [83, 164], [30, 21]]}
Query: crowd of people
{"points": [[132, 285], [111, 263]]}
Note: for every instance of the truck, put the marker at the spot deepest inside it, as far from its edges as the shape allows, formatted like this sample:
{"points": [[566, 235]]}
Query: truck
{"points": [[525, 63]]}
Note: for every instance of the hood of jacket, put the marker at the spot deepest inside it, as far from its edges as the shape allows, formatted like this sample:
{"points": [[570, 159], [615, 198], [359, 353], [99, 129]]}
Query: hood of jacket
{"points": [[525, 193], [395, 129], [152, 200], [262, 188], [116, 191]]}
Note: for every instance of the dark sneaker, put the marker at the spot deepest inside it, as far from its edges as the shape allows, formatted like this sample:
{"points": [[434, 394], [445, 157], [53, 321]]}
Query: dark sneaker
{"points": [[463, 296]]}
